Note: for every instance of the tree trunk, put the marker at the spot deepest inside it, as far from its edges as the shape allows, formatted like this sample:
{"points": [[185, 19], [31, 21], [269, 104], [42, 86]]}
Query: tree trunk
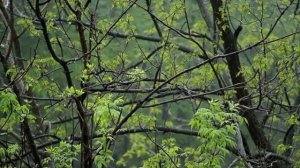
{"points": [[234, 65]]}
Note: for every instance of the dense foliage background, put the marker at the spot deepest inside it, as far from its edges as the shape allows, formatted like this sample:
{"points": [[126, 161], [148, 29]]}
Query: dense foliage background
{"points": [[149, 83]]}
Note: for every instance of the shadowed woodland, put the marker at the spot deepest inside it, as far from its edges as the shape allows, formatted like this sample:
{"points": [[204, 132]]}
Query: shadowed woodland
{"points": [[149, 83]]}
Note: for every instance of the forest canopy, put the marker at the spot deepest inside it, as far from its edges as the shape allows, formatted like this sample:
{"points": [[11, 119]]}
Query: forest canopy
{"points": [[149, 83]]}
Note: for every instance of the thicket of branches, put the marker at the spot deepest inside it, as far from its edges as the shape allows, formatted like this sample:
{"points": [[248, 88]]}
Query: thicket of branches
{"points": [[149, 83]]}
